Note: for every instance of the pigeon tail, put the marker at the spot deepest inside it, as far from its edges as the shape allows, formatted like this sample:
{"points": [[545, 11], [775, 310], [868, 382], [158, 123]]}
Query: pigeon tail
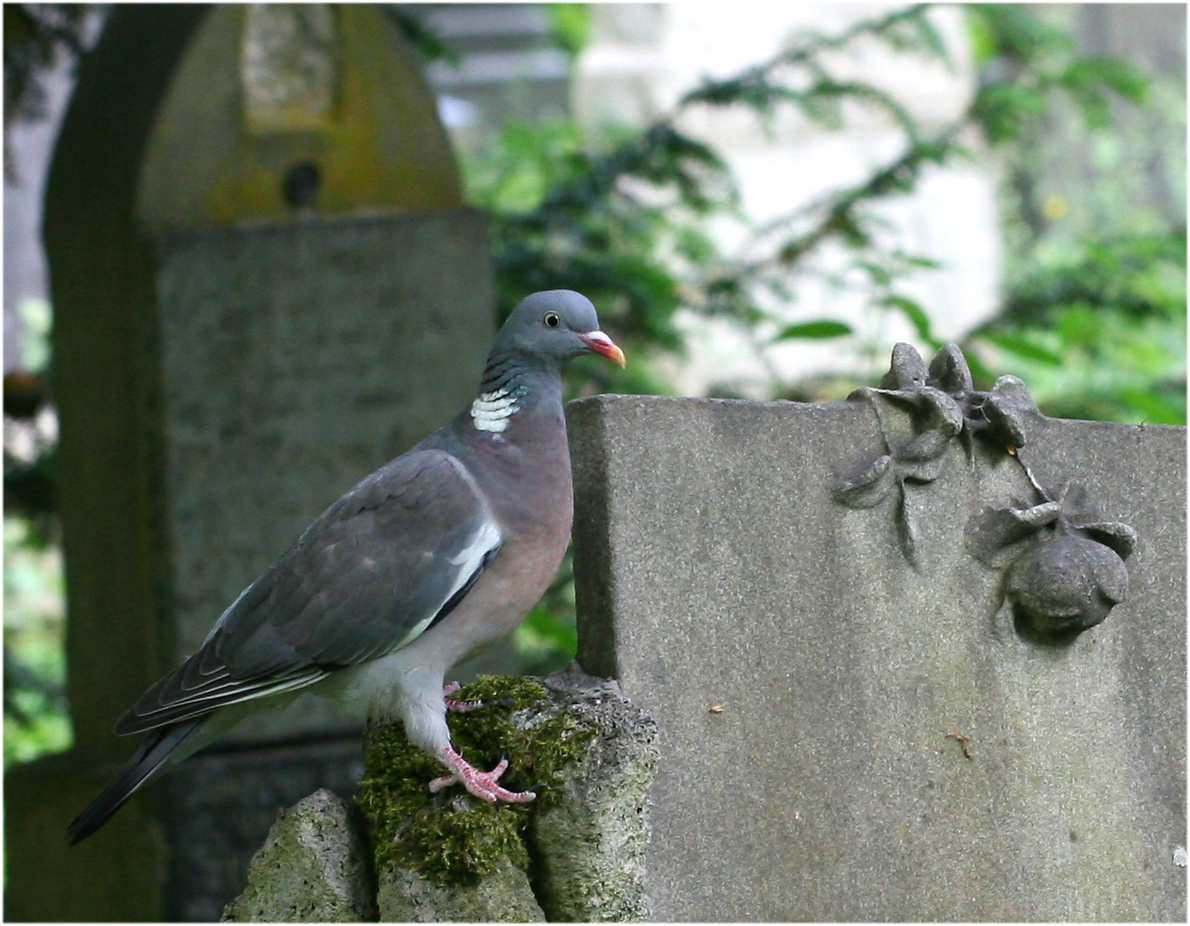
{"points": [[149, 761]]}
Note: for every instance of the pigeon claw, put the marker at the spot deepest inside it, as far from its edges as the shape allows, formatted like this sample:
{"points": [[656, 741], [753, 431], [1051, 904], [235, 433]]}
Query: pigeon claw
{"points": [[458, 707], [482, 785]]}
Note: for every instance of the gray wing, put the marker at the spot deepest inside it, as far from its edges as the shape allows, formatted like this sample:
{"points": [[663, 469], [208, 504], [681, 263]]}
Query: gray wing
{"points": [[376, 570]]}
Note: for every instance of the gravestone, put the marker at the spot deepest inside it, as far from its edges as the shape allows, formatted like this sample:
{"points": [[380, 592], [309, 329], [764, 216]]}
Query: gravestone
{"points": [[853, 726], [265, 285]]}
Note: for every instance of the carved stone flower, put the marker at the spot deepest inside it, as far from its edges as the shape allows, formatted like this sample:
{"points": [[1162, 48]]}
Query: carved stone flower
{"points": [[1066, 585], [944, 405], [1071, 572]]}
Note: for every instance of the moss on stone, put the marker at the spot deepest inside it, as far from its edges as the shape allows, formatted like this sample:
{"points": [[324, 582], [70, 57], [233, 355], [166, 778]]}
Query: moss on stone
{"points": [[451, 836]]}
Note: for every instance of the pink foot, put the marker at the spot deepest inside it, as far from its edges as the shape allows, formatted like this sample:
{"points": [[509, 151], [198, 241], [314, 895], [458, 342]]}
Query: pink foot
{"points": [[481, 784], [457, 707]]}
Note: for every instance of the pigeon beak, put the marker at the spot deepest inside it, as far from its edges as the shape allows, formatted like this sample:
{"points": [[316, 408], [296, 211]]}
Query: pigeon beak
{"points": [[599, 343]]}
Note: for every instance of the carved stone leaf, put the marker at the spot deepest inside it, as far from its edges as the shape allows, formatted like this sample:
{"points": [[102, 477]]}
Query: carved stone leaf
{"points": [[943, 412], [1036, 516], [907, 398], [906, 531], [862, 392], [949, 371], [1011, 390], [921, 471], [908, 370], [1008, 409], [869, 486], [992, 530], [1120, 537], [929, 445]]}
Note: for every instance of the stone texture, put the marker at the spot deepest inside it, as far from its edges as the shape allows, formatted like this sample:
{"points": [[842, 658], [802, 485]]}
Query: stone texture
{"points": [[586, 843], [314, 867], [586, 836], [589, 848], [845, 737], [296, 360], [217, 391], [504, 896], [226, 800]]}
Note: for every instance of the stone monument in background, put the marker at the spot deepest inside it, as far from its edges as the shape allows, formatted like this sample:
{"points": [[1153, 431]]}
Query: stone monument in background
{"points": [[265, 285]]}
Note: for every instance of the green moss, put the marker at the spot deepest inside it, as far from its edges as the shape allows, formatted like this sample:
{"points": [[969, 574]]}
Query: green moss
{"points": [[452, 837]]}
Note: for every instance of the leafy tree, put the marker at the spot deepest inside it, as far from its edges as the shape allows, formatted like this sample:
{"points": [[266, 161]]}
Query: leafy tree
{"points": [[1094, 308], [622, 214]]}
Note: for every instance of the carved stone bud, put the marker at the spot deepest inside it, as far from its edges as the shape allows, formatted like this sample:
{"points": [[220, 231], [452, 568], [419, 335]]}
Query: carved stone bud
{"points": [[1066, 585]]}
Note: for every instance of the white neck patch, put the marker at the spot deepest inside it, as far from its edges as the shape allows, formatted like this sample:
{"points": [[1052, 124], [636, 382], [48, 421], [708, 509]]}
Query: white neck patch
{"points": [[491, 411]]}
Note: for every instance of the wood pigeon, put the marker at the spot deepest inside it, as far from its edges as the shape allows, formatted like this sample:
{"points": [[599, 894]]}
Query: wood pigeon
{"points": [[436, 554]]}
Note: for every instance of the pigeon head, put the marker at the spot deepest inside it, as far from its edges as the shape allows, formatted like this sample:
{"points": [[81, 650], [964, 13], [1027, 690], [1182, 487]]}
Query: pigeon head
{"points": [[554, 326]]}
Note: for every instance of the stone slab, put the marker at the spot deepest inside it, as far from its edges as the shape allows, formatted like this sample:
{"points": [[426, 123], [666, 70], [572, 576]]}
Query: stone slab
{"points": [[503, 896], [296, 360], [847, 738]]}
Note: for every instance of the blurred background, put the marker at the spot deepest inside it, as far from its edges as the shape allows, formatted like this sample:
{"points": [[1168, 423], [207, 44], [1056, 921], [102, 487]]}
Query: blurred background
{"points": [[760, 199]]}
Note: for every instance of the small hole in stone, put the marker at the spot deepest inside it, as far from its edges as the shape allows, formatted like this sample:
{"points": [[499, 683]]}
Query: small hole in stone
{"points": [[301, 185]]}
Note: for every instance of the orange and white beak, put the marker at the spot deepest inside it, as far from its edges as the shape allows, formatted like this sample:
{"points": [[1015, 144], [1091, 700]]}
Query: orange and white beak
{"points": [[599, 343]]}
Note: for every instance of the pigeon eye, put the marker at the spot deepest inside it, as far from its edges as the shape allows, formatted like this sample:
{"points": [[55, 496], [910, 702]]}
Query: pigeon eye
{"points": [[552, 320]]}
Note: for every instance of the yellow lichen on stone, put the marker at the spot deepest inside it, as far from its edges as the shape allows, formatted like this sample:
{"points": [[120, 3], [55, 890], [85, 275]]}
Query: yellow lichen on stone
{"points": [[366, 133]]}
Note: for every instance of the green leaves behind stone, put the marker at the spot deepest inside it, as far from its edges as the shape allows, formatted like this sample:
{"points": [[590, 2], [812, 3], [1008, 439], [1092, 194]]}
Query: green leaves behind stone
{"points": [[815, 330]]}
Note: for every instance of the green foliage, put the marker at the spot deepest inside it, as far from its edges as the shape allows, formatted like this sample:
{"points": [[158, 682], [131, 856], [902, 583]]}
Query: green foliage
{"points": [[816, 330], [1093, 314], [35, 715], [1140, 276], [600, 222], [570, 24], [1102, 334], [452, 837], [623, 215], [1032, 60], [35, 35]]}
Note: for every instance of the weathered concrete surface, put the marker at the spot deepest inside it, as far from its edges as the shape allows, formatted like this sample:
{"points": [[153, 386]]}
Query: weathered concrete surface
{"points": [[589, 848], [504, 896], [314, 868], [224, 801], [817, 699]]}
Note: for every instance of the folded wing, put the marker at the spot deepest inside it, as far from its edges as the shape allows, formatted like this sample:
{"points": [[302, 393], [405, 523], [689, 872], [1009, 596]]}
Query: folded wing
{"points": [[375, 571]]}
